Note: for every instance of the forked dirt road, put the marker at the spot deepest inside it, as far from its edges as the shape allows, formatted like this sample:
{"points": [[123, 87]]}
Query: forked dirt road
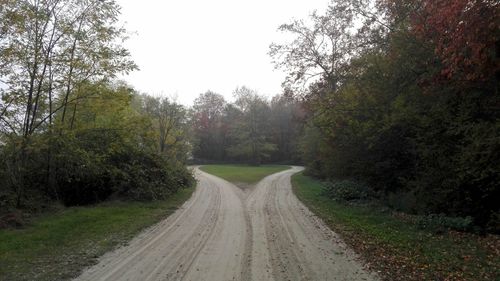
{"points": [[226, 233]]}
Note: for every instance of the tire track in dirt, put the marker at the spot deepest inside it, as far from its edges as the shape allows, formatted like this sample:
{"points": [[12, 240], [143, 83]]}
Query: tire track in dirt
{"points": [[301, 246], [169, 250], [224, 254]]}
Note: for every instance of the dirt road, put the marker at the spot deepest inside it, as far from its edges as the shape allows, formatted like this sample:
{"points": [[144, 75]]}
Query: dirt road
{"points": [[226, 233]]}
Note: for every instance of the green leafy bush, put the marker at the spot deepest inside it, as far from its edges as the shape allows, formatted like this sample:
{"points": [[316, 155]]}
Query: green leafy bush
{"points": [[494, 223], [88, 168], [347, 190], [439, 223], [128, 172], [143, 176], [403, 201]]}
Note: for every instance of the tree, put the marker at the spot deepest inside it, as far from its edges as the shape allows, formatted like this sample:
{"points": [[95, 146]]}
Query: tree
{"points": [[321, 49], [413, 110], [252, 130], [112, 149], [465, 36], [285, 119], [49, 49], [208, 110], [170, 122]]}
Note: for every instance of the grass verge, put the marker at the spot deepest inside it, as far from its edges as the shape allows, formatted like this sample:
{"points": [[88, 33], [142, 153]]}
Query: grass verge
{"points": [[395, 247], [243, 173], [58, 246]]}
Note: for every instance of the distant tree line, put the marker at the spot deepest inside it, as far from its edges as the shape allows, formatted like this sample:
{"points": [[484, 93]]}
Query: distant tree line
{"points": [[69, 132], [250, 130]]}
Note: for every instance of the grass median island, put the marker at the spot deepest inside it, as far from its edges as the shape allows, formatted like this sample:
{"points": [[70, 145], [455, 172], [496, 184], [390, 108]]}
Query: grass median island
{"points": [[57, 246], [396, 247], [243, 173]]}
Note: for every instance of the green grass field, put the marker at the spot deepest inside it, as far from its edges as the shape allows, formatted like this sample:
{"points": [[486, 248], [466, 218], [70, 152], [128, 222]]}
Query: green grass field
{"points": [[57, 246], [243, 173], [398, 248]]}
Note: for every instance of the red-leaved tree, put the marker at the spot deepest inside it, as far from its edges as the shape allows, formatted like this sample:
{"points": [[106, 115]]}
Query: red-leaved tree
{"points": [[465, 35]]}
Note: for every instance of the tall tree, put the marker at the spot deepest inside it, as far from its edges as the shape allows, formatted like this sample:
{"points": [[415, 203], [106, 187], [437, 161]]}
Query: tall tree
{"points": [[414, 111], [170, 122], [321, 49], [252, 130], [208, 110], [466, 37], [286, 116], [49, 48]]}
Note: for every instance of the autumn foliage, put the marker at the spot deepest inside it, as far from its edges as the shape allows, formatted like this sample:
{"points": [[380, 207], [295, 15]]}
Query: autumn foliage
{"points": [[465, 35], [412, 109]]}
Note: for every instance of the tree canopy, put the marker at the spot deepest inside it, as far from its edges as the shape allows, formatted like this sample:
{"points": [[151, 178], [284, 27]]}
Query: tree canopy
{"points": [[413, 110], [69, 131]]}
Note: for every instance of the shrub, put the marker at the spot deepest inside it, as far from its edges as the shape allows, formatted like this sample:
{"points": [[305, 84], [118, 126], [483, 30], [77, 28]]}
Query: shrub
{"points": [[143, 176], [85, 169], [402, 201], [440, 223], [347, 190], [493, 225]]}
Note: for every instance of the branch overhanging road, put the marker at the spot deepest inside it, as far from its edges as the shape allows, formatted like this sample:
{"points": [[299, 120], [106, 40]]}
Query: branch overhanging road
{"points": [[226, 233]]}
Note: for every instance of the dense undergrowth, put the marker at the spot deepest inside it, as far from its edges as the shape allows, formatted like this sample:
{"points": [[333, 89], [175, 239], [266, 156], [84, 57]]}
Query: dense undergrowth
{"points": [[400, 246], [110, 151]]}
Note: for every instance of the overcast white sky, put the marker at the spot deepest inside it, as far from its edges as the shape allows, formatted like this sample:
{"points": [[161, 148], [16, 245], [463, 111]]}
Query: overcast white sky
{"points": [[185, 47]]}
